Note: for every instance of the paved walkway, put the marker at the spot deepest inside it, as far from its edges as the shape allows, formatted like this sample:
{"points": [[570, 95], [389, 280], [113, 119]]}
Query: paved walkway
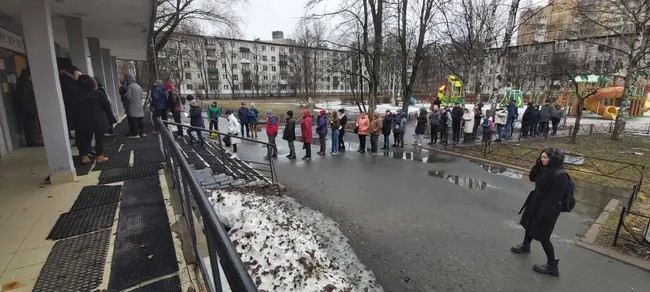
{"points": [[444, 225]]}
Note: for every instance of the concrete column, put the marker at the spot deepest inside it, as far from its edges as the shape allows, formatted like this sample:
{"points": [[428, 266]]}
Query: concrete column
{"points": [[96, 58], [77, 43], [108, 81], [39, 41], [116, 85]]}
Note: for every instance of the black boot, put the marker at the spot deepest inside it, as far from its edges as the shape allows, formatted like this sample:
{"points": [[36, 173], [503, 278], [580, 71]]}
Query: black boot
{"points": [[549, 268], [521, 248]]}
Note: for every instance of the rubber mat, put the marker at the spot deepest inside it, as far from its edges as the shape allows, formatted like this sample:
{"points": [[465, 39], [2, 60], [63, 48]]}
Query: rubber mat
{"points": [[83, 221], [144, 156], [92, 196], [81, 169], [144, 249], [170, 284], [75, 264], [115, 160], [142, 145], [128, 173]]}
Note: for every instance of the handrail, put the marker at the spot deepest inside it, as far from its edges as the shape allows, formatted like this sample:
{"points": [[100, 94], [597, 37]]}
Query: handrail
{"points": [[216, 235], [219, 133]]}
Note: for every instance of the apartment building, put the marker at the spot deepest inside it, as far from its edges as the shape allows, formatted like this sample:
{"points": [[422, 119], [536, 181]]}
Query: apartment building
{"points": [[541, 67], [235, 68]]}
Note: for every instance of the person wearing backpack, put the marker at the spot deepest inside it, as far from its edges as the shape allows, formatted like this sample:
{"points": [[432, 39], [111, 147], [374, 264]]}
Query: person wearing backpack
{"points": [[252, 119], [552, 195], [488, 126], [271, 132]]}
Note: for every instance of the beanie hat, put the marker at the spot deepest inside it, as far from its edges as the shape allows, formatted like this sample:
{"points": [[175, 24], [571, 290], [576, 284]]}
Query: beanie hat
{"points": [[268, 112], [168, 86], [322, 112]]}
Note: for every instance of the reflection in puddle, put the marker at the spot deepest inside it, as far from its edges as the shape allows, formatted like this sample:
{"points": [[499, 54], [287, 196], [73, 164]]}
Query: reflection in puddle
{"points": [[575, 160], [470, 183], [501, 170]]}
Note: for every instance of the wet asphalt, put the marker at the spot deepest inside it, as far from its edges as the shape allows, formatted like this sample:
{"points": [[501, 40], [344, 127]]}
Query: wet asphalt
{"points": [[426, 221]]}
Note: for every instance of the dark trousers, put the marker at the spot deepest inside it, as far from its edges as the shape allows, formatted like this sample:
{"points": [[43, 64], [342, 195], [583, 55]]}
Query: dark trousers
{"points": [[444, 134], [525, 128], [137, 126], [362, 143], [456, 129], [486, 134], [322, 139], [248, 130], [341, 144], [307, 147], [546, 245], [555, 122], [271, 151], [434, 133], [396, 137], [199, 134], [387, 140], [84, 142], [159, 113], [533, 128], [374, 140], [543, 128], [214, 125], [477, 122], [177, 119]]}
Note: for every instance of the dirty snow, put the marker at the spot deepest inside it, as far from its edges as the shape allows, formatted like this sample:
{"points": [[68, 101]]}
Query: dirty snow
{"points": [[287, 247]]}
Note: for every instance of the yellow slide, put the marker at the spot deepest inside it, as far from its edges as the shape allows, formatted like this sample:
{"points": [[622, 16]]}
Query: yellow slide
{"points": [[595, 104]]}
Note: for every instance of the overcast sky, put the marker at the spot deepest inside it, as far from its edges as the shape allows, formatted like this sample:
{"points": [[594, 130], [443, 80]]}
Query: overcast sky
{"points": [[260, 17]]}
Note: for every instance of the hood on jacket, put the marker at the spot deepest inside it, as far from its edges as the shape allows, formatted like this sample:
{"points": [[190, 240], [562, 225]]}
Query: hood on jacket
{"points": [[194, 103], [322, 112], [305, 113], [129, 78], [556, 157], [168, 86]]}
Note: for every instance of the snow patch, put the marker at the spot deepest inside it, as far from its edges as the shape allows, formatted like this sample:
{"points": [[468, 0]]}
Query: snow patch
{"points": [[287, 247]]}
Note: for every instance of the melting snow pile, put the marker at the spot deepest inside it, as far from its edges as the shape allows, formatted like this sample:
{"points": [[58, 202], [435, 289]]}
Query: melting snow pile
{"points": [[287, 247]]}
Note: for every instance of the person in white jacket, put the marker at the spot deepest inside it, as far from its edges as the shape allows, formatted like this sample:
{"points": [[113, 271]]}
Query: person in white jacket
{"points": [[500, 119], [233, 130], [468, 128]]}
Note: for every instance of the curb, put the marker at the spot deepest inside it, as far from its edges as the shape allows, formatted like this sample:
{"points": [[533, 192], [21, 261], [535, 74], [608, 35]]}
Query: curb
{"points": [[592, 234]]}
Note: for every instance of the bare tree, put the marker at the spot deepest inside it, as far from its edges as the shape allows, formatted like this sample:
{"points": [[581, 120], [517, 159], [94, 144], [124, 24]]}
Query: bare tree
{"points": [[626, 20], [227, 52]]}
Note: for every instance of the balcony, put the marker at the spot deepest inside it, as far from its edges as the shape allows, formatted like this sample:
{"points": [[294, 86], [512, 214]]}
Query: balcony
{"points": [[215, 70], [246, 71], [283, 63]]}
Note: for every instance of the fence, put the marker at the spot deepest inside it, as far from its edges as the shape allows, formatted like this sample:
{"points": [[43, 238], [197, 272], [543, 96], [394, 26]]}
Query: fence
{"points": [[203, 224], [634, 230]]}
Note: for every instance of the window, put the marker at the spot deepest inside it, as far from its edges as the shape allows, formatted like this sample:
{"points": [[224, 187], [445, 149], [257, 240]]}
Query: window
{"points": [[245, 66], [186, 63], [213, 64], [223, 65], [263, 48], [256, 67], [213, 87], [283, 77], [225, 76], [273, 68], [234, 66], [189, 86], [283, 87], [274, 78], [235, 77], [235, 87], [213, 76], [200, 75], [272, 48], [222, 54], [245, 55], [282, 49], [264, 58], [265, 68], [188, 76], [272, 58], [226, 87], [265, 77], [290, 50], [212, 41], [233, 55], [201, 87]]}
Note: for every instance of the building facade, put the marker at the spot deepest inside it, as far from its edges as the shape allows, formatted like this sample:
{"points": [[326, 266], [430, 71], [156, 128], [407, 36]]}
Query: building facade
{"points": [[217, 67]]}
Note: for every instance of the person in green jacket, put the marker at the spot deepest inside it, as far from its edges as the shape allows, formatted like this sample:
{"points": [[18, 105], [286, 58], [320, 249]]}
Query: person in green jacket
{"points": [[214, 112]]}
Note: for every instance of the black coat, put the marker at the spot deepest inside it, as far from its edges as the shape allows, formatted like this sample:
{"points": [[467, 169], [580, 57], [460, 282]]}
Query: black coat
{"points": [[535, 116], [387, 124], [457, 114], [526, 119], [289, 133], [422, 123], [543, 205], [89, 111], [111, 118]]}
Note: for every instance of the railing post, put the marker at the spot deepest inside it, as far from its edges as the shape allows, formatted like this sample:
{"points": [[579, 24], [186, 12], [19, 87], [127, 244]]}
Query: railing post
{"points": [[610, 127], [618, 227], [214, 260], [591, 129], [648, 131]]}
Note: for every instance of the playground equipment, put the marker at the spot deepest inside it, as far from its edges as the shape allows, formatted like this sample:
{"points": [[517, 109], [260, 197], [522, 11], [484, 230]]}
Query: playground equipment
{"points": [[606, 100], [512, 95], [451, 92]]}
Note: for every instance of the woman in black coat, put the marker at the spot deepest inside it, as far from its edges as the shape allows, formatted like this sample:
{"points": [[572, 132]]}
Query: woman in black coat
{"points": [[421, 126], [90, 112], [543, 206], [386, 127]]}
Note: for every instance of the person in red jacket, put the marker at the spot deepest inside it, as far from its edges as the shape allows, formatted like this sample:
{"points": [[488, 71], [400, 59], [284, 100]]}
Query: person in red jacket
{"points": [[306, 135], [271, 132]]}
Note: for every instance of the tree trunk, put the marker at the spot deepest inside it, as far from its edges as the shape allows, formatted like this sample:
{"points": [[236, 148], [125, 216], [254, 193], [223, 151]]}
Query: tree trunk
{"points": [[623, 112], [576, 125]]}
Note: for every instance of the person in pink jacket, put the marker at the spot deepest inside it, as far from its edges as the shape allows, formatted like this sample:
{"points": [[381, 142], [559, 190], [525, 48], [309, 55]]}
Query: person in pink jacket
{"points": [[363, 124]]}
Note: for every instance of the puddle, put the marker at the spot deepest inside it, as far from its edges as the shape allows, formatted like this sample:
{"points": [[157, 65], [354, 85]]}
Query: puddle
{"points": [[501, 170], [466, 182]]}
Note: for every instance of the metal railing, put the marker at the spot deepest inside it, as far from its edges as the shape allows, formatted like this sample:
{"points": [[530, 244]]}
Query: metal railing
{"points": [[265, 167], [634, 234], [197, 207]]}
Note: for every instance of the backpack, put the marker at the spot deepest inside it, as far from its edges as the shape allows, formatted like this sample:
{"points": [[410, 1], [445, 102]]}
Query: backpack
{"points": [[568, 201], [251, 114]]}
